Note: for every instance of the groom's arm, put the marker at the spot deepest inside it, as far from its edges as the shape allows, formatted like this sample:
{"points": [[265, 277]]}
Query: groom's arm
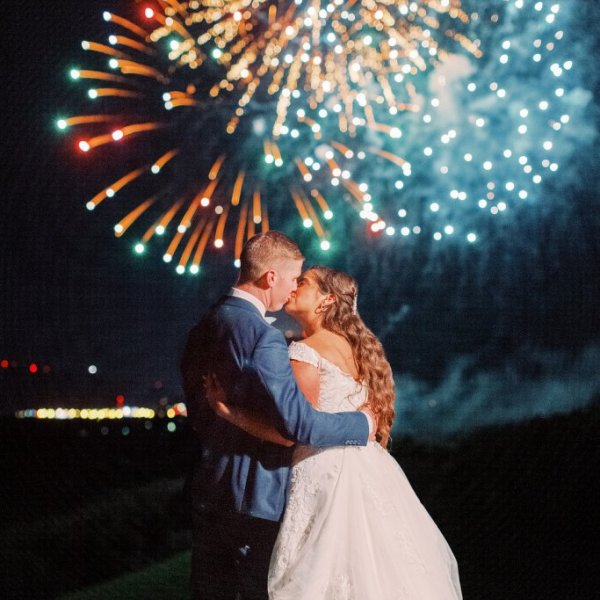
{"points": [[300, 420]]}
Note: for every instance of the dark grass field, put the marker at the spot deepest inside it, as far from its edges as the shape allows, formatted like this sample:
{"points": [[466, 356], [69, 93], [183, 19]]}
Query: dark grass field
{"points": [[86, 515]]}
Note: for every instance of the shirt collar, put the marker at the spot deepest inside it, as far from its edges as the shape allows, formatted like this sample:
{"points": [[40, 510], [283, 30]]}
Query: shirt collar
{"points": [[237, 293]]}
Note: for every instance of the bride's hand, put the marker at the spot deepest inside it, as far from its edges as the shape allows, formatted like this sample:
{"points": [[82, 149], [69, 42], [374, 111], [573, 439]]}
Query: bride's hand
{"points": [[216, 396], [373, 433]]}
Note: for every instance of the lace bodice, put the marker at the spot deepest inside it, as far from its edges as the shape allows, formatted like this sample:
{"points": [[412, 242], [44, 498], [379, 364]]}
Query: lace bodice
{"points": [[338, 391]]}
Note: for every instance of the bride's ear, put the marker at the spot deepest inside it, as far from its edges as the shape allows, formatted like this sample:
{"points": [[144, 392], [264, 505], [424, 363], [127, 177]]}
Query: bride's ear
{"points": [[331, 299], [328, 301]]}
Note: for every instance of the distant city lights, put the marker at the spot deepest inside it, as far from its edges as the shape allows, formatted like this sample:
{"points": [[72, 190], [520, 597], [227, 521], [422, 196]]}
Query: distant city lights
{"points": [[101, 414]]}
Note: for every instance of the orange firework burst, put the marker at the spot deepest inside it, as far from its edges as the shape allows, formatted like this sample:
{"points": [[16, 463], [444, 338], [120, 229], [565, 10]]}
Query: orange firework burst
{"points": [[231, 102]]}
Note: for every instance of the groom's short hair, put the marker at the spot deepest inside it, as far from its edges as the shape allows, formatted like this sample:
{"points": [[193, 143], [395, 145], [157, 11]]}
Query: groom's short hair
{"points": [[263, 251]]}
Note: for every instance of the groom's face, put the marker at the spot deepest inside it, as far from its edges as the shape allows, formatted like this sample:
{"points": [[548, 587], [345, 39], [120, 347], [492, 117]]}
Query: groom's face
{"points": [[285, 282]]}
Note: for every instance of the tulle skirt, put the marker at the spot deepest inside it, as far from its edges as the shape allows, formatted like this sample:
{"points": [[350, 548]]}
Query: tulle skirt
{"points": [[355, 530]]}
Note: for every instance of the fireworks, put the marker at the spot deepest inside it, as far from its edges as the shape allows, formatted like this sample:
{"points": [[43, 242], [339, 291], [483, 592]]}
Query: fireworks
{"points": [[239, 100], [490, 134], [244, 112]]}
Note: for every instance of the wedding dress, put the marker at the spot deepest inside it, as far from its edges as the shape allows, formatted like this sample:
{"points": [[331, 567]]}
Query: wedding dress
{"points": [[353, 528]]}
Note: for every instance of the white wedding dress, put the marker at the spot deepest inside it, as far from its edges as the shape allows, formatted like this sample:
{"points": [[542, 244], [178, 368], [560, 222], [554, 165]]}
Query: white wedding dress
{"points": [[353, 528]]}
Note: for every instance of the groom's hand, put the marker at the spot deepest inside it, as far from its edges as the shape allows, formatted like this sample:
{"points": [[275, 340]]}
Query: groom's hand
{"points": [[372, 419]]}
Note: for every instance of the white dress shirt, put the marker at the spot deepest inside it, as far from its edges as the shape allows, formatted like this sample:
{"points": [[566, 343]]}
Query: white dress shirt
{"points": [[238, 293]]}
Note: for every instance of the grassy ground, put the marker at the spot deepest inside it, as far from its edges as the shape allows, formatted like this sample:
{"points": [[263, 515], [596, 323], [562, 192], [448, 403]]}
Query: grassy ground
{"points": [[106, 518], [166, 579]]}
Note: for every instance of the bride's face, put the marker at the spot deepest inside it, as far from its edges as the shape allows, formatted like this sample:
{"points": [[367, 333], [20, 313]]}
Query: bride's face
{"points": [[305, 300]]}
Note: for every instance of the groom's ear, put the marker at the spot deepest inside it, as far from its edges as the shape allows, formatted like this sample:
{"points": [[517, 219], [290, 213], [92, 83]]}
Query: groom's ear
{"points": [[265, 281], [269, 278]]}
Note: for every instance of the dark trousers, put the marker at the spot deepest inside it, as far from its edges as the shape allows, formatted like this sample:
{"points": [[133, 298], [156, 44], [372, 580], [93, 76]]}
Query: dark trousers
{"points": [[230, 556]]}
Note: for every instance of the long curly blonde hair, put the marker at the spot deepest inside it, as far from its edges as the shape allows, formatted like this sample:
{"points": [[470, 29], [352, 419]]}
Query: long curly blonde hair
{"points": [[374, 370]]}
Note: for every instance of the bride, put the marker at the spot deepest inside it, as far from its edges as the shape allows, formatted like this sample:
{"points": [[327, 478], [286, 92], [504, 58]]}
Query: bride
{"points": [[353, 528]]}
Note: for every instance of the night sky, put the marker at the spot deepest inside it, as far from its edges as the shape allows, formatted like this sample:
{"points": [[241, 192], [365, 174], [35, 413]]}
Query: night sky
{"points": [[516, 311]]}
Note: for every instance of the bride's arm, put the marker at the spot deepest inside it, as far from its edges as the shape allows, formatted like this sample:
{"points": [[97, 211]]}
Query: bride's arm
{"points": [[307, 377], [216, 397]]}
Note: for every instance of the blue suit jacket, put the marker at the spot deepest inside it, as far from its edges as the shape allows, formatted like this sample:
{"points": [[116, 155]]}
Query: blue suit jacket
{"points": [[233, 470]]}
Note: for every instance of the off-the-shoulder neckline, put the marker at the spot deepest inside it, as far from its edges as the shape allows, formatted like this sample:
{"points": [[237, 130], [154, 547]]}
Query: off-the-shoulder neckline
{"points": [[342, 371]]}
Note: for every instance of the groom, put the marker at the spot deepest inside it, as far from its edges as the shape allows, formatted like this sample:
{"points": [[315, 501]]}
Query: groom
{"points": [[239, 482]]}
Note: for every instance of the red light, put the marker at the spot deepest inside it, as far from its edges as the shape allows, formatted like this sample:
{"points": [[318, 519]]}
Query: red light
{"points": [[148, 13], [376, 228], [84, 146], [120, 399], [4, 364], [33, 368], [117, 135]]}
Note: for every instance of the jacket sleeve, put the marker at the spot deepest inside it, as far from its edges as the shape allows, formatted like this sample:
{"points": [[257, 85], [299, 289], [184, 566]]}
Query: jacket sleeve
{"points": [[301, 421]]}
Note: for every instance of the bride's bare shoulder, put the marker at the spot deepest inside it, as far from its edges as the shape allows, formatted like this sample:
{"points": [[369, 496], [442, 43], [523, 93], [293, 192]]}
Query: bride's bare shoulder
{"points": [[325, 340], [334, 348]]}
